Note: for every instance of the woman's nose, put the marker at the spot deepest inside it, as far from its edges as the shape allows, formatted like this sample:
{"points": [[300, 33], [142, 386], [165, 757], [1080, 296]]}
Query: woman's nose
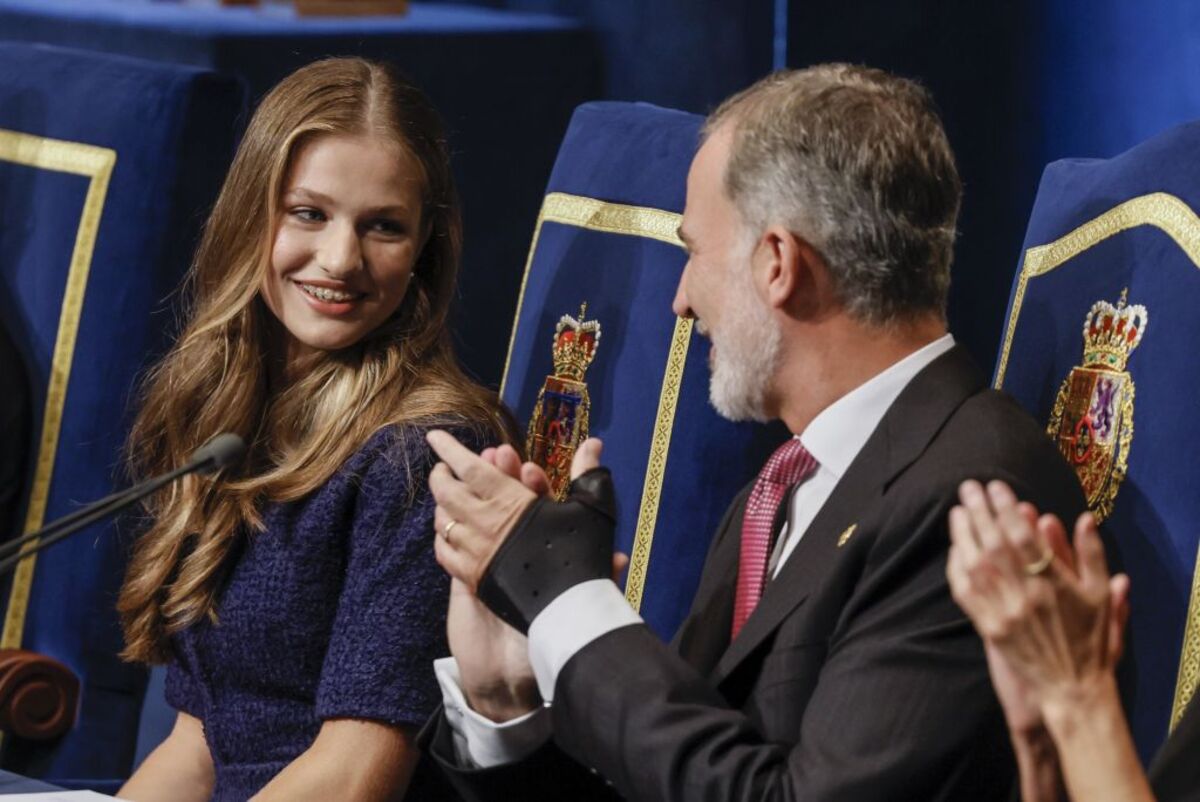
{"points": [[340, 252]]}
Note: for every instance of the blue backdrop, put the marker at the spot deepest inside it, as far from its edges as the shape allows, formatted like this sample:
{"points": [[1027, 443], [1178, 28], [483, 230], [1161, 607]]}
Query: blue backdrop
{"points": [[1019, 84]]}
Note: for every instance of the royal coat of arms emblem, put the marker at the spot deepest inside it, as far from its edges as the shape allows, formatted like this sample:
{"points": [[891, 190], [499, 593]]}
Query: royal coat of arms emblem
{"points": [[1092, 419], [560, 415]]}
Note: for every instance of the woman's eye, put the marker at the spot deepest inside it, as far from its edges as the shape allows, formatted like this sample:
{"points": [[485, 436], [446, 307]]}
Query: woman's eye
{"points": [[308, 215], [391, 228]]}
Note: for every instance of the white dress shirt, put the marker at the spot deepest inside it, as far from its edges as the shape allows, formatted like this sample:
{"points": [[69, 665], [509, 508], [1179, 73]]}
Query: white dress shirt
{"points": [[592, 609]]}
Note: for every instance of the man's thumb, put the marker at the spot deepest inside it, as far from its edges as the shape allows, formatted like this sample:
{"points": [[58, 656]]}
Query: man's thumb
{"points": [[587, 456]]}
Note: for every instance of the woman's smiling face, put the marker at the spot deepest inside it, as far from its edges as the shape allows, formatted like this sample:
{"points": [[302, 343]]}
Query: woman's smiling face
{"points": [[346, 241]]}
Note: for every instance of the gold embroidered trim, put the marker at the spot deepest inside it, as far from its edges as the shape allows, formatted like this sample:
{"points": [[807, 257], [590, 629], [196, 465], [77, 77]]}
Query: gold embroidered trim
{"points": [[1177, 220], [634, 221], [1189, 661], [512, 336], [595, 215], [96, 164], [656, 465], [1166, 212], [617, 218]]}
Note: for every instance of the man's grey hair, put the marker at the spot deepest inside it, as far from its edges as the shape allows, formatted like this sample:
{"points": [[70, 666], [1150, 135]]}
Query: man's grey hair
{"points": [[855, 161]]}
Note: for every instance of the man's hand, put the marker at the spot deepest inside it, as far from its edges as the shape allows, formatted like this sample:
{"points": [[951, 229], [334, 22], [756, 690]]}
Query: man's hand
{"points": [[479, 501], [492, 657], [478, 504]]}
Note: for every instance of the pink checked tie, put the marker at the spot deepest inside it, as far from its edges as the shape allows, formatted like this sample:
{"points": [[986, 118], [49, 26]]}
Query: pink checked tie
{"points": [[789, 465]]}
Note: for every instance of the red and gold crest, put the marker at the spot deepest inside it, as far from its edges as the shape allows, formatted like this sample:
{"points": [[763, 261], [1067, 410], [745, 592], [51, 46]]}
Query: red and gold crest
{"points": [[560, 416], [1092, 419]]}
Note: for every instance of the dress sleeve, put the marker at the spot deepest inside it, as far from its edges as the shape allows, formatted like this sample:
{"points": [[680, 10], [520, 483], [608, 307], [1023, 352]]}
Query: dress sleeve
{"points": [[182, 690], [390, 623]]}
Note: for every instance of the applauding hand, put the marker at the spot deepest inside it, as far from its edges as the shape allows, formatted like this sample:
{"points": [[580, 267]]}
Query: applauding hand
{"points": [[1052, 612], [480, 498]]}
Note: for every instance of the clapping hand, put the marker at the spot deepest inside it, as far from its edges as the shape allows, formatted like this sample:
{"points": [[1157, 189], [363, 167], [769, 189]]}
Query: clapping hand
{"points": [[480, 498], [1050, 615]]}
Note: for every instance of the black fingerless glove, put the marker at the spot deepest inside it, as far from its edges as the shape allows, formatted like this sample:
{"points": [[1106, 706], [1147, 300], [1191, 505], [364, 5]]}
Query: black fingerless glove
{"points": [[554, 547]]}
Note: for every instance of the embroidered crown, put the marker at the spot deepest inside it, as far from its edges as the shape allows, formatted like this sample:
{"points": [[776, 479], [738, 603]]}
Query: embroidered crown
{"points": [[1111, 333], [575, 341]]}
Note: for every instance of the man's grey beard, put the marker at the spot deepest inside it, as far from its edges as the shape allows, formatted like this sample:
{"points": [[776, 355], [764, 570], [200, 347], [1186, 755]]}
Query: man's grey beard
{"points": [[747, 354]]}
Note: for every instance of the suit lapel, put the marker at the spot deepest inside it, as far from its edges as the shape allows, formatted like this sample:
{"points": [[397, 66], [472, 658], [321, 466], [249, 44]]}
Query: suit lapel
{"points": [[704, 636], [812, 557], [917, 414]]}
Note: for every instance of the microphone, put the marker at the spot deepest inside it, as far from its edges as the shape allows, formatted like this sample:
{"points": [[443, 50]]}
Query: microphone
{"points": [[219, 452]]}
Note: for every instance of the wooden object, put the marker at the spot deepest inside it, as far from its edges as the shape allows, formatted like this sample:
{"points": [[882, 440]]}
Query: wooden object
{"points": [[39, 696], [317, 8]]}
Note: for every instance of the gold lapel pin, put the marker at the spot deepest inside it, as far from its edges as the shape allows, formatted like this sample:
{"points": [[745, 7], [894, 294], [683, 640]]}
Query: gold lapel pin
{"points": [[844, 536]]}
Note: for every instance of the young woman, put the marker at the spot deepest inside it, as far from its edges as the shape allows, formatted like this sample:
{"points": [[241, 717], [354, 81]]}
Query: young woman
{"points": [[296, 597]]}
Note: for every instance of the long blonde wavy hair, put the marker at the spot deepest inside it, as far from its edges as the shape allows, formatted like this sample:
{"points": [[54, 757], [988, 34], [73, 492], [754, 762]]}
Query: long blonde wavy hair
{"points": [[215, 378]]}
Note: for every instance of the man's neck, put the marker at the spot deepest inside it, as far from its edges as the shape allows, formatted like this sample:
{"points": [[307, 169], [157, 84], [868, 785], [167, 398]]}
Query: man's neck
{"points": [[846, 354]]}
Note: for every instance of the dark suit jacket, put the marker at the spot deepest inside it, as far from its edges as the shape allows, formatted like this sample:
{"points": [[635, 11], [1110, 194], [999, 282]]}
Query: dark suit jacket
{"points": [[1175, 772], [857, 677]]}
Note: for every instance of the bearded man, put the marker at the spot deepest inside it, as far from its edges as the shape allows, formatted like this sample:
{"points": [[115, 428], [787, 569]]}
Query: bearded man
{"points": [[823, 658]]}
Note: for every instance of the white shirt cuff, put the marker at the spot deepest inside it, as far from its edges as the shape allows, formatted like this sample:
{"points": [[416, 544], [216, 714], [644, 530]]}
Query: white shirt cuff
{"points": [[570, 622], [478, 741]]}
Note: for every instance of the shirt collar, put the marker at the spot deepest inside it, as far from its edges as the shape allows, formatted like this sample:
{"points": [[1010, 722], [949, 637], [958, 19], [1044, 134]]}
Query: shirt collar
{"points": [[839, 432]]}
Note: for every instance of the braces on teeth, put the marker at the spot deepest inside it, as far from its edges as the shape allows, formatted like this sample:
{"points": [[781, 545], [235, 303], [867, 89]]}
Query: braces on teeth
{"points": [[326, 294]]}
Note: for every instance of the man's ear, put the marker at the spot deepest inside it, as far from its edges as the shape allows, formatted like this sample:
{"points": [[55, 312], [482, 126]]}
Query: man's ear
{"points": [[792, 276]]}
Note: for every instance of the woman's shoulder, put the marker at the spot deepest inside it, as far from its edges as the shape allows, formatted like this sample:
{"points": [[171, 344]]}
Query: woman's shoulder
{"points": [[408, 438], [388, 476], [401, 448]]}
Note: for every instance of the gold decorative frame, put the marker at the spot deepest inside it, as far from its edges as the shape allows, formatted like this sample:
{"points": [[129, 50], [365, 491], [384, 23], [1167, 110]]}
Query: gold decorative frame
{"points": [[96, 164], [1166, 212], [1177, 220], [634, 221], [1189, 658]]}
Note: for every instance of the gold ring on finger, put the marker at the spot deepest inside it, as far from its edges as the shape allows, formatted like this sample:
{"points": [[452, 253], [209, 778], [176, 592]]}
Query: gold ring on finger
{"points": [[446, 532], [1039, 566]]}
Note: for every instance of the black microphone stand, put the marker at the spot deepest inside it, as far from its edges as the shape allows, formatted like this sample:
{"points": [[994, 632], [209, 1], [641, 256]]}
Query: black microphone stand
{"points": [[214, 455]]}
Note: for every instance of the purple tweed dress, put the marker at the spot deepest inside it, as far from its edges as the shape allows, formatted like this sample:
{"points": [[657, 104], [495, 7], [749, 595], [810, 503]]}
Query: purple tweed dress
{"points": [[336, 610]]}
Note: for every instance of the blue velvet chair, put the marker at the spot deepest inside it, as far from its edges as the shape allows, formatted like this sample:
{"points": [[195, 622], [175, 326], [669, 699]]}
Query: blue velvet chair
{"points": [[606, 237], [107, 166], [1106, 302]]}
